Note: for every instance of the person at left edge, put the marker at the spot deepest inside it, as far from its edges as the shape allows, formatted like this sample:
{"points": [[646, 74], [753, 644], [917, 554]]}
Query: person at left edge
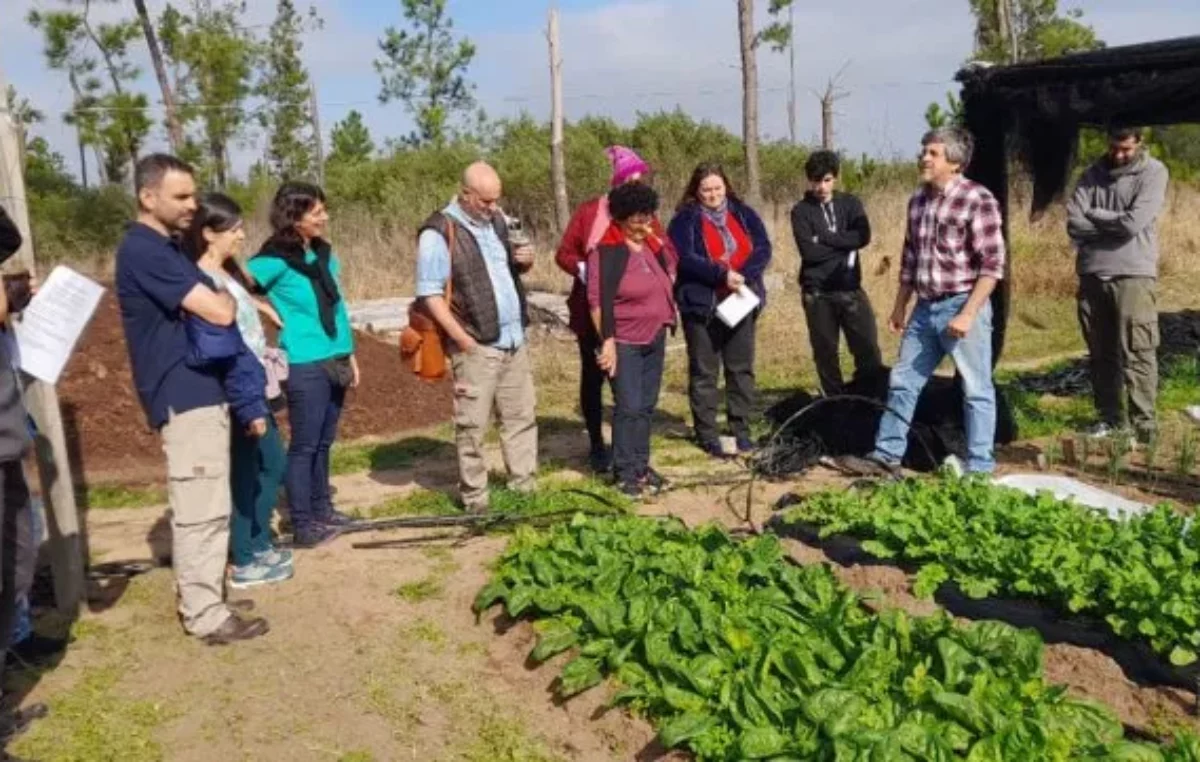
{"points": [[18, 550], [157, 286]]}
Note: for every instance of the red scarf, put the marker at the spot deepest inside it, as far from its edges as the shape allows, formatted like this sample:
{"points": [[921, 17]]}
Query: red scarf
{"points": [[714, 243], [615, 237]]}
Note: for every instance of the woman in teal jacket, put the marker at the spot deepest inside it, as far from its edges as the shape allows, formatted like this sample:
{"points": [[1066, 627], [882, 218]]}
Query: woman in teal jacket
{"points": [[297, 270]]}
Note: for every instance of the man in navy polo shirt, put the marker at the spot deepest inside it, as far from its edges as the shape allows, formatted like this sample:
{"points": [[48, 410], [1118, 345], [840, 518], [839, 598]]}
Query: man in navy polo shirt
{"points": [[156, 285]]}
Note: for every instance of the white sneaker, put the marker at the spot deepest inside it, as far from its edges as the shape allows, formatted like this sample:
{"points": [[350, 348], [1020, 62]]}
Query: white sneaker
{"points": [[1099, 431]]}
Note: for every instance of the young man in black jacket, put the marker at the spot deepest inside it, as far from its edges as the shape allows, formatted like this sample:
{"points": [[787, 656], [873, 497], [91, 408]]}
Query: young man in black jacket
{"points": [[831, 229]]}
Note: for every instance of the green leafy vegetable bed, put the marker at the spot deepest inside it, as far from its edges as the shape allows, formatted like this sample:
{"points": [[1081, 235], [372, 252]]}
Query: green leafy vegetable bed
{"points": [[1141, 575], [735, 653]]}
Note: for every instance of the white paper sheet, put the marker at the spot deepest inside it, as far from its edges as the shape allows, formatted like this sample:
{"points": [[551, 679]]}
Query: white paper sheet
{"points": [[51, 325], [737, 306]]}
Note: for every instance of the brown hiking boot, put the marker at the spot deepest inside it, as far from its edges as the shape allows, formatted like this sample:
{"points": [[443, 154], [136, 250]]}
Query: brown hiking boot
{"points": [[234, 629]]}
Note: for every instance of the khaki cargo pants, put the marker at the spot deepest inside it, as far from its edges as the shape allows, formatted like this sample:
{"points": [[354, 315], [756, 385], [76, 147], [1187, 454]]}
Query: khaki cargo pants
{"points": [[197, 447], [487, 378], [1119, 319]]}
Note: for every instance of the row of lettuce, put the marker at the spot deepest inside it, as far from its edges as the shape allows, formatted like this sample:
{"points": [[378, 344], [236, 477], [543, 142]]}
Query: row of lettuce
{"points": [[734, 653], [1140, 574]]}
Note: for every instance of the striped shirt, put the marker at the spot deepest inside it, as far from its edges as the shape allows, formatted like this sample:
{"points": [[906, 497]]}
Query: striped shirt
{"points": [[954, 238]]}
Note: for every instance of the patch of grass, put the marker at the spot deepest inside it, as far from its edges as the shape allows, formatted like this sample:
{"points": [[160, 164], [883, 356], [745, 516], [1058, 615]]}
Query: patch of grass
{"points": [[554, 494], [1179, 385], [381, 700], [1041, 415], [421, 590], [501, 739], [357, 755], [110, 497], [93, 722], [386, 456], [420, 502], [88, 629], [426, 631]]}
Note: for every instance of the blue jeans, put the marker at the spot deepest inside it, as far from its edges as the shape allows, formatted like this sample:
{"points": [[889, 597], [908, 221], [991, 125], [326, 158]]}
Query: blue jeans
{"points": [[924, 345], [635, 393], [256, 470], [314, 408]]}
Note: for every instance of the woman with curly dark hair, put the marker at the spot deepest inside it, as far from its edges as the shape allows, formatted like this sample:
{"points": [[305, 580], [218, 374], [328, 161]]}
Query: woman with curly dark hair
{"points": [[298, 271], [723, 246], [629, 294]]}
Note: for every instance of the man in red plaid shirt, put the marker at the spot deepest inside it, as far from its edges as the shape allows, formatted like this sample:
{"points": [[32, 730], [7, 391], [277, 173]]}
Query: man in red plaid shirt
{"points": [[953, 257]]}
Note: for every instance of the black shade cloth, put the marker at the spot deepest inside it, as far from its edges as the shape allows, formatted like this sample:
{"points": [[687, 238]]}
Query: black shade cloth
{"points": [[1034, 111]]}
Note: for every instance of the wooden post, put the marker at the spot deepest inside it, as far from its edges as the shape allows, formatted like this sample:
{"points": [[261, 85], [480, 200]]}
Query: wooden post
{"points": [[319, 145], [748, 39], [58, 493], [558, 163]]}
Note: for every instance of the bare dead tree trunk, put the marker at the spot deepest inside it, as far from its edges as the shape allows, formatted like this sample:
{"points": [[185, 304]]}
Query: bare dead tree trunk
{"points": [[749, 98], [174, 127], [832, 95], [558, 163]]}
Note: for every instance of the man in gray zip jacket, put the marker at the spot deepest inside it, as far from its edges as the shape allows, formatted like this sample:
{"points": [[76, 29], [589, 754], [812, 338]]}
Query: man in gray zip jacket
{"points": [[1111, 221]]}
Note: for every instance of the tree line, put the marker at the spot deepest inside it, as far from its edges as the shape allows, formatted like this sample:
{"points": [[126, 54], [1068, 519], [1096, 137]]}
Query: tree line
{"points": [[220, 78]]}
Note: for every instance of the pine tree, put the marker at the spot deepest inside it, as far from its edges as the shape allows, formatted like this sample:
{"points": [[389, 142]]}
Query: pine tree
{"points": [[284, 85], [96, 59], [351, 140], [213, 56], [425, 67]]}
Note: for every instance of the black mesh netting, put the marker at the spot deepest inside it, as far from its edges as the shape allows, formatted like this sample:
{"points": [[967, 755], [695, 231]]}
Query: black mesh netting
{"points": [[1037, 108], [846, 426]]}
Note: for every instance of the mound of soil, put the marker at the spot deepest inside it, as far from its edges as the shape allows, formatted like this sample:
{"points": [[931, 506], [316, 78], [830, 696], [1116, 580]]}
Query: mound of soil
{"points": [[110, 440]]}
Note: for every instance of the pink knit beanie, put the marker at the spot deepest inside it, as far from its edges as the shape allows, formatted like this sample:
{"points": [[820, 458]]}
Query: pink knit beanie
{"points": [[626, 163]]}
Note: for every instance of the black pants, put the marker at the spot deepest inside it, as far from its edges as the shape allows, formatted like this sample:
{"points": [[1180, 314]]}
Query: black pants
{"points": [[591, 385], [831, 313], [711, 343], [635, 389], [17, 554]]}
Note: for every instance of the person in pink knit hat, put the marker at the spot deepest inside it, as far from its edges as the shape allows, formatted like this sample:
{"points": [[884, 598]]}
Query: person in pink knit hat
{"points": [[587, 226]]}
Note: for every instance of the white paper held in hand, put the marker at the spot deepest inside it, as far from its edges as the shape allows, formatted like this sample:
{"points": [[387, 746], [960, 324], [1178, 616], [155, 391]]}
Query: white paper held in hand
{"points": [[735, 307], [51, 325]]}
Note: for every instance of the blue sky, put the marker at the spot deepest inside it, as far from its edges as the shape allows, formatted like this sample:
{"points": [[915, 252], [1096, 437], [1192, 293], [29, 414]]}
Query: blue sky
{"points": [[626, 56]]}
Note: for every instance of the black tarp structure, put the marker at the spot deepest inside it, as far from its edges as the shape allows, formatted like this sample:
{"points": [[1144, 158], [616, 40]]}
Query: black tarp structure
{"points": [[1033, 112]]}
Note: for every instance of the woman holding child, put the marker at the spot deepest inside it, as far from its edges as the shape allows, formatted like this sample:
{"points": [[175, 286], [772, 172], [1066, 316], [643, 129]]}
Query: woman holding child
{"points": [[213, 241]]}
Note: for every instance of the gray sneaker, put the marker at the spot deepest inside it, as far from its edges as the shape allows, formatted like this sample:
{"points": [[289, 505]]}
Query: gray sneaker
{"points": [[1193, 413], [273, 557], [253, 575]]}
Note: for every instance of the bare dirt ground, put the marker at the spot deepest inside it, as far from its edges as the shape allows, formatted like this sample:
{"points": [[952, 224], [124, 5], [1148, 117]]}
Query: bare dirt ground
{"points": [[374, 654]]}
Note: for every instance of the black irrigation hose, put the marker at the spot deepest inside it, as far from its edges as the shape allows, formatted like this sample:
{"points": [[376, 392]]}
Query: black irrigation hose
{"points": [[774, 442]]}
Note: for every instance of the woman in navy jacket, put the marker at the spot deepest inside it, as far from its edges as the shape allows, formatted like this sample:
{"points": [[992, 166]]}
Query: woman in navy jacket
{"points": [[722, 245]]}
